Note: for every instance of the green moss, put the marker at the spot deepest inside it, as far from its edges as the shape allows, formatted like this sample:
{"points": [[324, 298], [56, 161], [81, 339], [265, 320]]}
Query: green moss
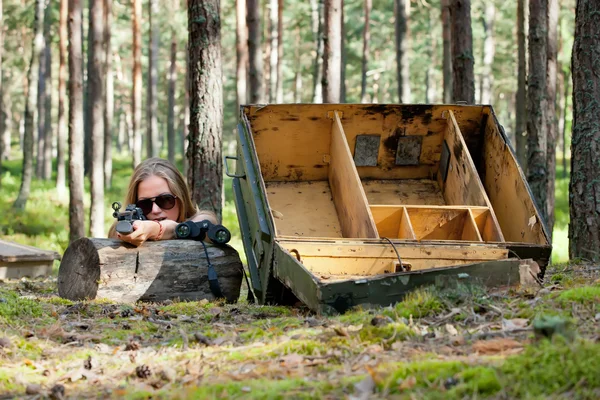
{"points": [[476, 380], [13, 307], [553, 367], [581, 295], [420, 303], [58, 301], [390, 332]]}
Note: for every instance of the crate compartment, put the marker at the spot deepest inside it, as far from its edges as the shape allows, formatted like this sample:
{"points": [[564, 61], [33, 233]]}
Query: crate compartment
{"points": [[443, 224], [403, 191]]}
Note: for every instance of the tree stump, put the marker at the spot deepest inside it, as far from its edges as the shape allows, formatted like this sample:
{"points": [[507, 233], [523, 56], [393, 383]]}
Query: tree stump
{"points": [[156, 271]]}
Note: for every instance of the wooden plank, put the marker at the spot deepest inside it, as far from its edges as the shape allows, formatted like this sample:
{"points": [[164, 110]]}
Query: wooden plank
{"points": [[508, 191], [292, 140], [383, 249], [303, 209], [348, 195], [16, 252], [324, 266], [486, 226], [387, 220], [437, 224], [470, 231], [403, 191], [462, 186], [406, 230]]}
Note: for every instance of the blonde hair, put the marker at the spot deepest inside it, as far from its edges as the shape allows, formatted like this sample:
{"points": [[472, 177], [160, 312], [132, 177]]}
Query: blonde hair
{"points": [[164, 169]]}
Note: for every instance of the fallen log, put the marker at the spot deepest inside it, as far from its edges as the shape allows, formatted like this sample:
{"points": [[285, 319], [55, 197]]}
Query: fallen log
{"points": [[156, 271]]}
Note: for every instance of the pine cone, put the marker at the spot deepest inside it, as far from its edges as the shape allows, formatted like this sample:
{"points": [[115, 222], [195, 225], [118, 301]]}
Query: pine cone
{"points": [[132, 346], [143, 371], [127, 313]]}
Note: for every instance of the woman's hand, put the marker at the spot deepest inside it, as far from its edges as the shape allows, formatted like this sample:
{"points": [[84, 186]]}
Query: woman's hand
{"points": [[142, 231]]}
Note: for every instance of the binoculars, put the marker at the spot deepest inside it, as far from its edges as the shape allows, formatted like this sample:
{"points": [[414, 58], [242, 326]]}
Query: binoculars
{"points": [[218, 234]]}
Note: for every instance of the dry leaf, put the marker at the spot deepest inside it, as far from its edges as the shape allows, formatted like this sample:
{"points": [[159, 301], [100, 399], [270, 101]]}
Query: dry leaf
{"points": [[451, 330], [515, 323], [408, 383], [496, 346], [340, 331]]}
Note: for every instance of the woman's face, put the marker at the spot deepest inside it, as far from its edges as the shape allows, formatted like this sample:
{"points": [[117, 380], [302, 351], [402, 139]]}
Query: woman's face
{"points": [[152, 187]]}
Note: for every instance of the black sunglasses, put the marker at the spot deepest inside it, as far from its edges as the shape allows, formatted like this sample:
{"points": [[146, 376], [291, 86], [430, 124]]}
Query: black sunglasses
{"points": [[165, 201]]}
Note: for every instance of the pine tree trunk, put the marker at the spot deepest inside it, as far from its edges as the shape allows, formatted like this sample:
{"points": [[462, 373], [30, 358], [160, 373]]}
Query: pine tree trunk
{"points": [[75, 84], [46, 171], [344, 57], [206, 117], [186, 117], [273, 40], [152, 140], [447, 51], [171, 94], [521, 107], [2, 111], [32, 76], [584, 187], [136, 105], [551, 116], [241, 46], [567, 80], [279, 88], [39, 139], [402, 11], [255, 52], [109, 111], [332, 60], [96, 99], [537, 169], [62, 89], [298, 74], [463, 79], [317, 16], [365, 52], [489, 47]]}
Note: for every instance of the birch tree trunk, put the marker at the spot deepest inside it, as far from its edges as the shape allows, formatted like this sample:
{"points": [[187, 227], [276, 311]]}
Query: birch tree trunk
{"points": [[332, 60]]}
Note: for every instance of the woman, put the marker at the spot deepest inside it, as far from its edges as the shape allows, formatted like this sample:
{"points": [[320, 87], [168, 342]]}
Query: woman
{"points": [[158, 188]]}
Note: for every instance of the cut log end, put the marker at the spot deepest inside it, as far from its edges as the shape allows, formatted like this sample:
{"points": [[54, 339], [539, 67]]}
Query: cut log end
{"points": [[156, 271]]}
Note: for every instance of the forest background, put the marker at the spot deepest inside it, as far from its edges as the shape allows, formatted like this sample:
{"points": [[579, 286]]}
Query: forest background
{"points": [[292, 73]]}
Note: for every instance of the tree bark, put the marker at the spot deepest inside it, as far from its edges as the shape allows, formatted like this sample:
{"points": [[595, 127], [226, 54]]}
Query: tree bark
{"points": [[109, 110], [402, 11], [205, 176], [152, 140], [40, 138], [96, 99], [563, 129], [62, 89], [332, 60], [551, 116], [447, 51], [171, 92], [273, 47], [186, 115], [32, 76], [2, 111], [463, 79], [241, 47], [521, 107], [317, 15], [75, 54], [365, 52], [48, 137], [279, 88], [489, 47], [255, 52], [156, 271], [584, 187], [298, 67], [136, 104], [344, 57], [537, 169]]}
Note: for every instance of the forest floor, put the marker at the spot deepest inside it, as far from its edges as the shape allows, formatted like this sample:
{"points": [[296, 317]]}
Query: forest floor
{"points": [[463, 342]]}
